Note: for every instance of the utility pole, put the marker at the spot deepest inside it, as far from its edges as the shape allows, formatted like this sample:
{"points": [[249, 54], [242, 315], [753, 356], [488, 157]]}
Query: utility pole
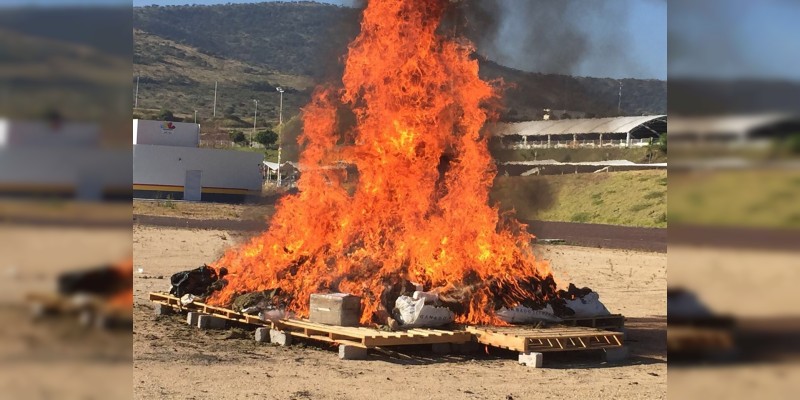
{"points": [[255, 118], [280, 132], [195, 116], [619, 102], [136, 98], [215, 99]]}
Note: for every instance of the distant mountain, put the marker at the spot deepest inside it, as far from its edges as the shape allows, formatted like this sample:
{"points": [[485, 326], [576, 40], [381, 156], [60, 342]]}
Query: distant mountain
{"points": [[704, 96], [180, 50]]}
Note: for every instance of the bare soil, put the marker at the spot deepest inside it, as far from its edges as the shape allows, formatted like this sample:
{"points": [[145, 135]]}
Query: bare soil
{"points": [[57, 357], [173, 360]]}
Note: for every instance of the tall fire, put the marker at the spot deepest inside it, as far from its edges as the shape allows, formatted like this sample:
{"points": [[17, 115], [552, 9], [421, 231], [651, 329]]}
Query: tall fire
{"points": [[401, 195]]}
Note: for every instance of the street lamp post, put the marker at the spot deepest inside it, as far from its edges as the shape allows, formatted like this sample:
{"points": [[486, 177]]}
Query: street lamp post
{"points": [[255, 118], [280, 132]]}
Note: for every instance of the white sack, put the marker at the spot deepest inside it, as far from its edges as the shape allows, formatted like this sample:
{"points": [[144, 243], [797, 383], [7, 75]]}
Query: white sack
{"points": [[525, 315], [412, 313], [588, 306]]}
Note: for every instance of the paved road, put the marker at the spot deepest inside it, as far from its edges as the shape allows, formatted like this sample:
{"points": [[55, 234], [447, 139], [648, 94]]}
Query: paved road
{"points": [[591, 235]]}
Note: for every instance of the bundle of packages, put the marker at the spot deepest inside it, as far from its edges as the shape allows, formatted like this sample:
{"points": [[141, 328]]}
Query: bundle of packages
{"points": [[526, 315], [557, 304]]}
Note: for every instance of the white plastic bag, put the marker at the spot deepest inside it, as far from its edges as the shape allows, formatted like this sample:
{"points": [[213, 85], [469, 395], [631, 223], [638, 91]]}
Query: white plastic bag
{"points": [[588, 306], [187, 299], [525, 315], [412, 313]]}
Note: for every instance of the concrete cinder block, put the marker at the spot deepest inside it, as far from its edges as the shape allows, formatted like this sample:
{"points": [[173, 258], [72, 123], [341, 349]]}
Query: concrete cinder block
{"points": [[347, 352], [192, 316], [280, 338], [210, 322], [262, 334], [617, 354], [533, 360], [441, 348], [163, 309]]}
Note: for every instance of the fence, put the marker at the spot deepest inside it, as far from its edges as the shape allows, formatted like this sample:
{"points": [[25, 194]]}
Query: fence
{"points": [[559, 144]]}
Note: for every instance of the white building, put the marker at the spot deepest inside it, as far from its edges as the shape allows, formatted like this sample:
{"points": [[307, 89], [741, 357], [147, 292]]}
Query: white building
{"points": [[168, 164], [60, 159]]}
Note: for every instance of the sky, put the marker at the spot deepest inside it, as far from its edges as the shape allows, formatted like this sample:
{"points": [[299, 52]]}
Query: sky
{"points": [[707, 39]]}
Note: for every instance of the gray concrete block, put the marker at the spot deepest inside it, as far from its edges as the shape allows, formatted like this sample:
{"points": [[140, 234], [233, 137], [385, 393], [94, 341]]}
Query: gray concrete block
{"points": [[210, 322], [262, 334], [441, 348], [280, 338], [533, 360], [617, 354], [191, 317], [347, 352], [86, 318], [163, 309]]}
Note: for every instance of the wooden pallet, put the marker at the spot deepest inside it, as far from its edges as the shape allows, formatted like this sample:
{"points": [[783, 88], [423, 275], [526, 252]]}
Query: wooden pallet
{"points": [[614, 321], [559, 338], [370, 337], [698, 339], [221, 312], [355, 336]]}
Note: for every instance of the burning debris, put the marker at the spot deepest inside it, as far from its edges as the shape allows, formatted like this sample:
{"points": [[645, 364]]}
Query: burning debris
{"points": [[416, 209]]}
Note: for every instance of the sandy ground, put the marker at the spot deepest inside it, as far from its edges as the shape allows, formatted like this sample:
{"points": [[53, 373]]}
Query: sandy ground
{"points": [[748, 284], [58, 357], [173, 360]]}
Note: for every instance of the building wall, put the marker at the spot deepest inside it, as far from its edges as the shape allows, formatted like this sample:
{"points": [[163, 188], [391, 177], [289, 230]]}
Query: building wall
{"points": [[16, 134], [163, 169], [81, 173], [163, 133]]}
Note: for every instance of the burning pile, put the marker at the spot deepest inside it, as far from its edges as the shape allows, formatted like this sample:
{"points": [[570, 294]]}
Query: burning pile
{"points": [[416, 208]]}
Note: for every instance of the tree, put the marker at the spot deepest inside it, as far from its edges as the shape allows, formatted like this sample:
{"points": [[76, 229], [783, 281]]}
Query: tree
{"points": [[266, 138], [166, 115], [662, 143], [237, 137]]}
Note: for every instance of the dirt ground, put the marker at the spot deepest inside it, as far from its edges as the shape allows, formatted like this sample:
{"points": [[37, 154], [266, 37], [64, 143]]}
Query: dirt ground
{"points": [[173, 360], [57, 357]]}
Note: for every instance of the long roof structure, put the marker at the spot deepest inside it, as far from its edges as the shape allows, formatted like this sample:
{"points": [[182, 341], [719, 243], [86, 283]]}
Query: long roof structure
{"points": [[575, 126]]}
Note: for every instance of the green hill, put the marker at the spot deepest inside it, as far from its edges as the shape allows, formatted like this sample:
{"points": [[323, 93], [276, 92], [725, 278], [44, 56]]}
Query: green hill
{"points": [[250, 49]]}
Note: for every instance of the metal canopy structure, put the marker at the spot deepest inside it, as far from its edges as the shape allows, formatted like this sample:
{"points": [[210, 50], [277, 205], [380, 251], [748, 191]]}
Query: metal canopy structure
{"points": [[619, 125]]}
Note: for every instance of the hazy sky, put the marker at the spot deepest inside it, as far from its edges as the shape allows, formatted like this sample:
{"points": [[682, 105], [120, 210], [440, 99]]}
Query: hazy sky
{"points": [[645, 26]]}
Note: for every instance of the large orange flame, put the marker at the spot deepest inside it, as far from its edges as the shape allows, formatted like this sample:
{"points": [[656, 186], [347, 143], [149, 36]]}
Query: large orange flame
{"points": [[417, 206]]}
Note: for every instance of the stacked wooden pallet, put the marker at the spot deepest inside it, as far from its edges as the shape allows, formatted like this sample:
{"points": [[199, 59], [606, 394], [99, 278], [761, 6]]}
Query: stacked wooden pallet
{"points": [[528, 341], [358, 336]]}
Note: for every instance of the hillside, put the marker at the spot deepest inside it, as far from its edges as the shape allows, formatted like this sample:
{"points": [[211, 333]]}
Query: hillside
{"points": [[633, 198], [181, 78], [180, 51], [41, 75]]}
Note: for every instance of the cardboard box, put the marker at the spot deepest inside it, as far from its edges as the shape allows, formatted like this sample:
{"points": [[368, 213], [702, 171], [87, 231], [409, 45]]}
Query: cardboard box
{"points": [[335, 309]]}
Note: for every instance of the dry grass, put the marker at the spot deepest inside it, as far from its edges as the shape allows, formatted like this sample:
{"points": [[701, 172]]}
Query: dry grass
{"points": [[205, 211], [751, 198], [633, 198]]}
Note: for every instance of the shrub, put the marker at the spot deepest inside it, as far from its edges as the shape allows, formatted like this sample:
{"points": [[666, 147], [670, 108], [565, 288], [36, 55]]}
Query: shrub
{"points": [[237, 137], [266, 138], [581, 217]]}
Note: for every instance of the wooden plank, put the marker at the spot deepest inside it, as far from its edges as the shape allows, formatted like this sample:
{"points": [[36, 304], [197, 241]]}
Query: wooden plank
{"points": [[543, 339]]}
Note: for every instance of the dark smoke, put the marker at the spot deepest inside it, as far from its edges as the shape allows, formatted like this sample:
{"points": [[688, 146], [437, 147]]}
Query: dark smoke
{"points": [[562, 37]]}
